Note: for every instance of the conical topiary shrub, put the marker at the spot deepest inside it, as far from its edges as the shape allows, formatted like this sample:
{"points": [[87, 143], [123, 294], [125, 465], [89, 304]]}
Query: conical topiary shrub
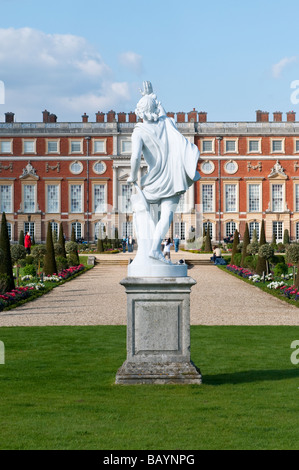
{"points": [[261, 266], [6, 263], [286, 237], [246, 242], [50, 262], [235, 246], [73, 235], [21, 238], [208, 244], [100, 246], [61, 240]]}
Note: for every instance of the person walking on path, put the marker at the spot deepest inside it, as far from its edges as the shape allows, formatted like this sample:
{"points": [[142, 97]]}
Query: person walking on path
{"points": [[130, 244], [167, 247], [27, 243], [176, 243], [124, 244]]}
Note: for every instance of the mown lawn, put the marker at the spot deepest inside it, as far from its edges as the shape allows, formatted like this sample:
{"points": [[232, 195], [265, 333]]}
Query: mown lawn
{"points": [[58, 392]]}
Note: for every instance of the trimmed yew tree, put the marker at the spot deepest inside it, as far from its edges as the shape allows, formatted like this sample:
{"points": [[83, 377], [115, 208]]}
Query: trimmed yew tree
{"points": [[49, 261], [208, 244], [261, 266], [21, 238], [246, 242], [6, 263], [73, 235], [235, 246], [61, 239]]}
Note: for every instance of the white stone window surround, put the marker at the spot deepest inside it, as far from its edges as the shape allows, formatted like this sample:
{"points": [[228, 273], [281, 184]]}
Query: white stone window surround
{"points": [[272, 143], [76, 197], [29, 197], [104, 189], [99, 146], [227, 141], [260, 195], [231, 196], [76, 146], [277, 194], [207, 167], [231, 167], [6, 146], [213, 190], [29, 146], [99, 167], [207, 139], [48, 145], [296, 145], [125, 146], [76, 167], [56, 204], [258, 140], [296, 197], [6, 197]]}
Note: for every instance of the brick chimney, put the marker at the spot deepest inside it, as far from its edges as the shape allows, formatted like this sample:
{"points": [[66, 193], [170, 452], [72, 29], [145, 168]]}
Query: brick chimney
{"points": [[46, 115], [291, 116], [132, 117], [170, 115], [277, 116], [9, 117], [111, 116], [85, 117], [202, 116], [192, 116], [122, 117], [262, 116], [52, 118], [100, 117], [180, 117]]}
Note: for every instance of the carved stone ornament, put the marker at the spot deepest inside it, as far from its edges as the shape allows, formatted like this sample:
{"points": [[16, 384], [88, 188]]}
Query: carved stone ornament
{"points": [[277, 170], [29, 171]]}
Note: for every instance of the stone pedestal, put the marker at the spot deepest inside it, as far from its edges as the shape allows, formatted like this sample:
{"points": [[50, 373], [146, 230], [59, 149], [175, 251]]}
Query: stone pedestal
{"points": [[158, 332]]}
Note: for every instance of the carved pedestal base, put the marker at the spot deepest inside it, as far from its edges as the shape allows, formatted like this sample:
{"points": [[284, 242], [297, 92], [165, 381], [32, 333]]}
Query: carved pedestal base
{"points": [[158, 332]]}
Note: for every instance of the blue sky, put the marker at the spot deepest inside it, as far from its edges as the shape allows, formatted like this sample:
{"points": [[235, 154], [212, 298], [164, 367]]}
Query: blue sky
{"points": [[228, 58]]}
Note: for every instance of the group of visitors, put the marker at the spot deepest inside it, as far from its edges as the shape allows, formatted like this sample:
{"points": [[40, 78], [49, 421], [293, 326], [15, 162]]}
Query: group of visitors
{"points": [[128, 242]]}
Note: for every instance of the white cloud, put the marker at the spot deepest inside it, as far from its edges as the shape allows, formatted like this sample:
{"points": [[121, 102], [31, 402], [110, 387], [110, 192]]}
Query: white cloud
{"points": [[132, 61], [61, 72], [279, 67]]}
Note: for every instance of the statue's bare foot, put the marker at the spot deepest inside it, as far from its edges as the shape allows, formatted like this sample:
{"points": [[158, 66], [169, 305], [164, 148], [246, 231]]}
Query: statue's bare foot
{"points": [[159, 256]]}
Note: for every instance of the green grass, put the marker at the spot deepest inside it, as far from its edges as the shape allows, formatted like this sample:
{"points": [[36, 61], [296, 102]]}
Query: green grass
{"points": [[58, 392]]}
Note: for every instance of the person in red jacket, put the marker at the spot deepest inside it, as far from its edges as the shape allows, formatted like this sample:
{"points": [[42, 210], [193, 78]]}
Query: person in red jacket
{"points": [[27, 243]]}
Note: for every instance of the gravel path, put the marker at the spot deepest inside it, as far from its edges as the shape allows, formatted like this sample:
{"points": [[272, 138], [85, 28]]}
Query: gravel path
{"points": [[97, 298]]}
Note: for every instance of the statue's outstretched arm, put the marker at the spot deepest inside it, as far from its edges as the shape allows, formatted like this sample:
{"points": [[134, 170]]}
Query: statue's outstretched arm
{"points": [[137, 144]]}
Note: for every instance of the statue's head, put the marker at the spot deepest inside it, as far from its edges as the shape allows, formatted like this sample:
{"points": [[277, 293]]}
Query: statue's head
{"points": [[148, 108]]}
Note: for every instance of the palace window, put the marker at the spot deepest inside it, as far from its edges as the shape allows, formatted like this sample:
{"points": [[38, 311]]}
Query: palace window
{"points": [[207, 146], [77, 229], [180, 230], [54, 227], [254, 197], [52, 198], [76, 146], [277, 230], [230, 197], [9, 230], [297, 198], [52, 146], [207, 198], [76, 198], [99, 198], [29, 146], [126, 193], [208, 226], [6, 198], [277, 145], [99, 168], [99, 230], [254, 226], [181, 204], [277, 197], [29, 227], [29, 198], [6, 146], [230, 228], [99, 146], [126, 146], [254, 146], [127, 229]]}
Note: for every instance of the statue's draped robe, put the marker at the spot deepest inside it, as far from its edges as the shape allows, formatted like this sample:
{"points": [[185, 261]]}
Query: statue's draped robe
{"points": [[172, 160]]}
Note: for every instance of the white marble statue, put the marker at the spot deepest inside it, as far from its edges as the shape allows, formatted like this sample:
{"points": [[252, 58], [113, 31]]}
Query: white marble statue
{"points": [[172, 168]]}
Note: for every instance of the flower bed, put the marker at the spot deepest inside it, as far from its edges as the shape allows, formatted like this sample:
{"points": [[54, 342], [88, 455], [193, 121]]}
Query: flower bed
{"points": [[29, 290], [280, 285]]}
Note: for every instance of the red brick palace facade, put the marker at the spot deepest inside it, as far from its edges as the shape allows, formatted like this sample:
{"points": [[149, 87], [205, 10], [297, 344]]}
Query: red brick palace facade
{"points": [[76, 173]]}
